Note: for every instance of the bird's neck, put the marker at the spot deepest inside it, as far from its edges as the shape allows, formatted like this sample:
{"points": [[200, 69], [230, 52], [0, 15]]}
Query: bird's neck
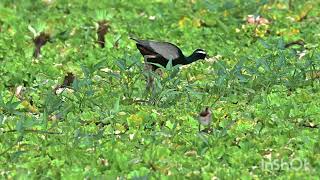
{"points": [[192, 58]]}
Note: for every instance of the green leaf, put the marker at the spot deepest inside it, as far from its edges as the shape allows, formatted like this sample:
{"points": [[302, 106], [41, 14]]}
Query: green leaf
{"points": [[116, 106]]}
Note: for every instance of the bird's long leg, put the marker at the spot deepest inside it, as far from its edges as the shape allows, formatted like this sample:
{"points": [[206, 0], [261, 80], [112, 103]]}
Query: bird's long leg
{"points": [[37, 52], [148, 68], [149, 77]]}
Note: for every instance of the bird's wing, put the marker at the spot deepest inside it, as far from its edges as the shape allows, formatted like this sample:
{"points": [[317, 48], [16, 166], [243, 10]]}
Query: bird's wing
{"points": [[165, 49], [144, 47]]}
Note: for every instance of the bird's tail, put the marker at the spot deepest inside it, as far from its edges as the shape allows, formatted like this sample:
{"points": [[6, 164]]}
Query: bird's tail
{"points": [[135, 39]]}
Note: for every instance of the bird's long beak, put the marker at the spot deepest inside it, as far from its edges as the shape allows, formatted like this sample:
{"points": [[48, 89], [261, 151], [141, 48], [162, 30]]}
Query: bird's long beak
{"points": [[207, 56]]}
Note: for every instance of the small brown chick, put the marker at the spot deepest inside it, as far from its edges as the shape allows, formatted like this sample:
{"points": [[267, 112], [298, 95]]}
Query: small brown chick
{"points": [[67, 83], [68, 80], [205, 117], [40, 41], [103, 29]]}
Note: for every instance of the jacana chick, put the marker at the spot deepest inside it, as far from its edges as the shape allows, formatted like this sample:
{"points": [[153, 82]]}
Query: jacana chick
{"points": [[205, 117]]}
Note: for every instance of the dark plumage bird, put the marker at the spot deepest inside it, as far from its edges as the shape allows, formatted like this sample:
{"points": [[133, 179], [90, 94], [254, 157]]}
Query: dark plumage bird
{"points": [[205, 117], [102, 31], [40, 41], [162, 52]]}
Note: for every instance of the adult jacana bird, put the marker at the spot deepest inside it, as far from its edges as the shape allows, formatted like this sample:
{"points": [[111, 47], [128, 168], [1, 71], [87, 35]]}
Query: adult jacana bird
{"points": [[162, 52]]}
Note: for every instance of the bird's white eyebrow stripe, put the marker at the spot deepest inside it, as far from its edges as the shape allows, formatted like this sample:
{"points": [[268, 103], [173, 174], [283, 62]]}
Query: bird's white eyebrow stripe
{"points": [[201, 52]]}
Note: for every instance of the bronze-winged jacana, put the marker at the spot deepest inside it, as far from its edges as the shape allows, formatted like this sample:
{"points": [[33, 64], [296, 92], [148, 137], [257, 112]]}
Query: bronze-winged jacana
{"points": [[162, 52]]}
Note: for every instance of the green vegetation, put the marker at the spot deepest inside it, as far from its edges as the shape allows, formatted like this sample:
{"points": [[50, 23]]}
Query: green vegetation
{"points": [[261, 80]]}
